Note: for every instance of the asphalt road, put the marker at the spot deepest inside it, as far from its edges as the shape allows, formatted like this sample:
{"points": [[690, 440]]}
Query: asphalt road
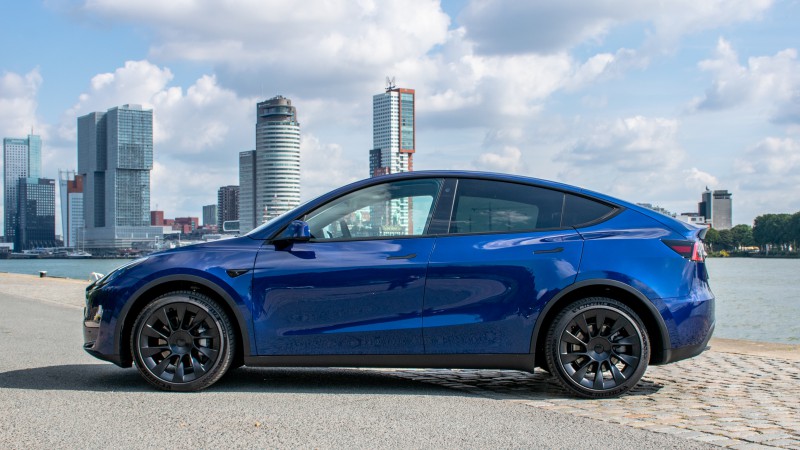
{"points": [[53, 395]]}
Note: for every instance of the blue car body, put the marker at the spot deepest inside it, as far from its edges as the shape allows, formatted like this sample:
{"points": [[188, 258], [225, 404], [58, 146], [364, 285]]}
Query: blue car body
{"points": [[441, 299]]}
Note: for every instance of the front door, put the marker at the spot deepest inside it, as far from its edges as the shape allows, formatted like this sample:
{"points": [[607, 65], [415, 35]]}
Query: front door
{"points": [[357, 287]]}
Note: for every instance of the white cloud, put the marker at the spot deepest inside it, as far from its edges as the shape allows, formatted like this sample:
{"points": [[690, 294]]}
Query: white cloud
{"points": [[335, 45], [325, 166], [18, 103], [509, 160], [632, 144], [772, 164], [767, 175], [510, 26], [635, 158], [770, 84]]}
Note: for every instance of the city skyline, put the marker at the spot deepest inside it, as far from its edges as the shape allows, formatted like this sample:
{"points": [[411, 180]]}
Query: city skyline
{"points": [[647, 101]]}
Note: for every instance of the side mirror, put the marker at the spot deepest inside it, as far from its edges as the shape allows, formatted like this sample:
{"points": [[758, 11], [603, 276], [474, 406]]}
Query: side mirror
{"points": [[297, 231]]}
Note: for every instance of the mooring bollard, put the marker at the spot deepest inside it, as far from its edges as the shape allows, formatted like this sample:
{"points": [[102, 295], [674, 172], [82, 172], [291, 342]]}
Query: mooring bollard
{"points": [[42, 273]]}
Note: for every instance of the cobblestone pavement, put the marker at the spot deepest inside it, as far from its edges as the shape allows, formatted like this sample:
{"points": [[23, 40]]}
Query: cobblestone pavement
{"points": [[724, 399]]}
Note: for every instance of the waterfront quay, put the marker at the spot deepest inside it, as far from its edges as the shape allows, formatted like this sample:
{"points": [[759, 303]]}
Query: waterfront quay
{"points": [[739, 394]]}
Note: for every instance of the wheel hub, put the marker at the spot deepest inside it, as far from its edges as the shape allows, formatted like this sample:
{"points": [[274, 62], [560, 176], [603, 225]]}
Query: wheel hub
{"points": [[181, 342], [599, 349]]}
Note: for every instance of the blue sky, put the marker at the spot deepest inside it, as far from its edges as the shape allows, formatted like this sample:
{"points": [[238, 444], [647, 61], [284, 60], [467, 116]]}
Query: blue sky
{"points": [[647, 100]]}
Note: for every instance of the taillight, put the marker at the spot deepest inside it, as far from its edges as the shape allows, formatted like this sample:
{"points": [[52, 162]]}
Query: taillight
{"points": [[691, 250]]}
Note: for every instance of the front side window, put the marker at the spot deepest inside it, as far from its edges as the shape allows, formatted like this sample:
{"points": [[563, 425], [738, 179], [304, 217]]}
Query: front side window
{"points": [[401, 208], [483, 206]]}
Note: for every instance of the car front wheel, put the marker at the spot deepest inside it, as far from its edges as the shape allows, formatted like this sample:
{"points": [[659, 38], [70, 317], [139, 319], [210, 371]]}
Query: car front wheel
{"points": [[597, 347], [183, 341]]}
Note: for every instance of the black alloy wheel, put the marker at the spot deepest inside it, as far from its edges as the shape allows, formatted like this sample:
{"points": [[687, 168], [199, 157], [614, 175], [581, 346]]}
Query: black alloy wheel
{"points": [[183, 341], [597, 348]]}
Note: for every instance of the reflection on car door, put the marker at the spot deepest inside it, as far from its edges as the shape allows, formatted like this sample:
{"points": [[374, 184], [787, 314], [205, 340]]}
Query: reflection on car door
{"points": [[357, 297]]}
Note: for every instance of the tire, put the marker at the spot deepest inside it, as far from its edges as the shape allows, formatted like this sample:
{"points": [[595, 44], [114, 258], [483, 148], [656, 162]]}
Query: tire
{"points": [[183, 341], [594, 333]]}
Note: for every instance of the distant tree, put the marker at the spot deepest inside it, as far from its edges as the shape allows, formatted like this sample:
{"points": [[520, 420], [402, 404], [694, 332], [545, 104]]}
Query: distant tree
{"points": [[772, 229], [726, 239], [712, 239], [794, 229], [742, 236]]}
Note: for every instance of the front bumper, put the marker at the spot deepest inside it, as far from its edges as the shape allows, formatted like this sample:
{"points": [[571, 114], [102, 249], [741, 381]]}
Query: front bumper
{"points": [[98, 334]]}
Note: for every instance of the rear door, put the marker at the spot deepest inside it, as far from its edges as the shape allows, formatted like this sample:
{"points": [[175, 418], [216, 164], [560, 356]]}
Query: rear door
{"points": [[504, 255]]}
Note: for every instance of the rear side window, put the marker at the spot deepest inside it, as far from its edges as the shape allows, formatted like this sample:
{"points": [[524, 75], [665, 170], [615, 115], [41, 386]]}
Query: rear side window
{"points": [[580, 211], [483, 206]]}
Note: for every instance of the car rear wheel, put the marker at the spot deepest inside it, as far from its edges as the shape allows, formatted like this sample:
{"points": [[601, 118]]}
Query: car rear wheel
{"points": [[597, 348], [183, 341]]}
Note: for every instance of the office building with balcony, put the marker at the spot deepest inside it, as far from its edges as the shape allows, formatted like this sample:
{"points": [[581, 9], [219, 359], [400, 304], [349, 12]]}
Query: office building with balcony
{"points": [[269, 176]]}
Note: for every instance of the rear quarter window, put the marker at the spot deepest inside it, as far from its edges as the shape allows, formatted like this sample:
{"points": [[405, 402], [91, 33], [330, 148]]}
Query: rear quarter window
{"points": [[581, 211]]}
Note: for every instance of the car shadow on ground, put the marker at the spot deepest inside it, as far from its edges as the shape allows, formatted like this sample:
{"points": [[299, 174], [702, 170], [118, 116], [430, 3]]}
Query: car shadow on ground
{"points": [[494, 384]]}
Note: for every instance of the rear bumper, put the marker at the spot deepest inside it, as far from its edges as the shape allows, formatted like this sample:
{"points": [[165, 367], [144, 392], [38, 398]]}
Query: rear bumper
{"points": [[690, 322], [690, 351]]}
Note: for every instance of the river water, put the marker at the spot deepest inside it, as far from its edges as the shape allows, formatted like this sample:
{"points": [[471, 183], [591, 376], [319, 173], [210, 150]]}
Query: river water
{"points": [[757, 299]]}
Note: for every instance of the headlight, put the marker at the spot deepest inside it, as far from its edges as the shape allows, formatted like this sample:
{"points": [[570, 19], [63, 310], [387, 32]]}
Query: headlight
{"points": [[117, 272]]}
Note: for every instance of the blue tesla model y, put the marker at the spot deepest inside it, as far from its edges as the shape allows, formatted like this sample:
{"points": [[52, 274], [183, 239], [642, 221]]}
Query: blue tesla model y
{"points": [[420, 269]]}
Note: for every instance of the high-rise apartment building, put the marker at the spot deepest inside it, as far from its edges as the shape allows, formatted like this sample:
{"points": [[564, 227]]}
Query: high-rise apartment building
{"points": [[269, 176], [393, 132], [393, 147], [70, 188], [36, 210], [22, 158], [227, 205], [717, 208], [115, 156]]}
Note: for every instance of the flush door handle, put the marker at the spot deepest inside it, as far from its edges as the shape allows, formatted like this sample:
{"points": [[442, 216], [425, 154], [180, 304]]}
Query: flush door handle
{"points": [[408, 256], [549, 250]]}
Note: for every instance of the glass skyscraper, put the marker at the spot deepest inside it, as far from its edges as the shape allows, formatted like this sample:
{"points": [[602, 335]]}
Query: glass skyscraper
{"points": [[36, 209], [269, 176], [115, 157], [22, 158]]}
